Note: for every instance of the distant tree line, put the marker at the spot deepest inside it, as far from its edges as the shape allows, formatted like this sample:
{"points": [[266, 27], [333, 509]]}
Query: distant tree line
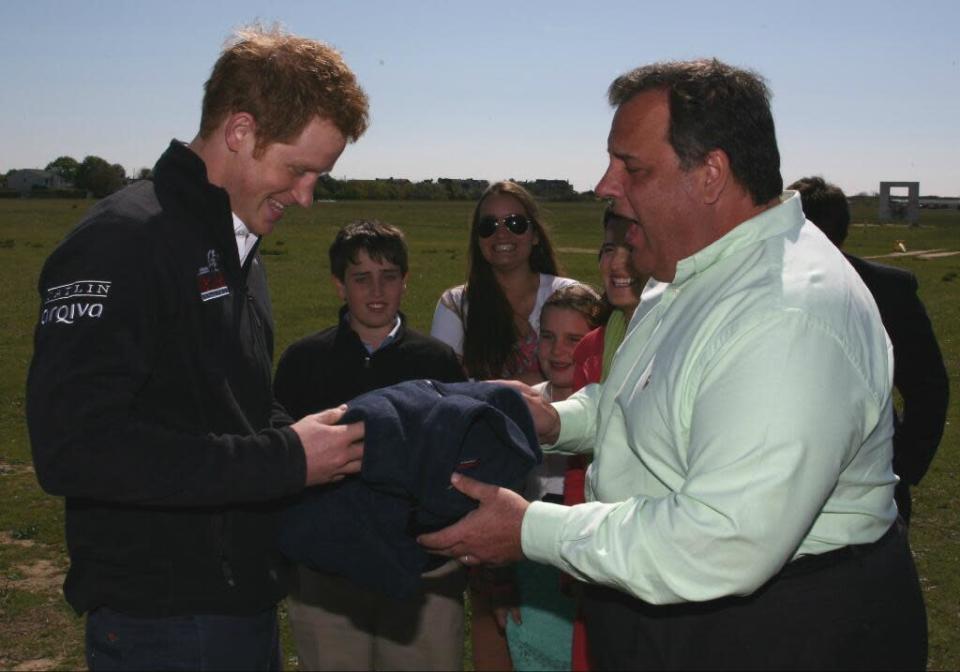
{"points": [[94, 176], [98, 177], [441, 189]]}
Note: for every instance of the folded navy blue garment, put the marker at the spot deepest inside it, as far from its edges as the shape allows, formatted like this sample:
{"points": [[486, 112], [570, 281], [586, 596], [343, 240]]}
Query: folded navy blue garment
{"points": [[417, 433]]}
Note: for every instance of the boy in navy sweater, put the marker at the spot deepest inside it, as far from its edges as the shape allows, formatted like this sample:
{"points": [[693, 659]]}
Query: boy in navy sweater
{"points": [[337, 624]]}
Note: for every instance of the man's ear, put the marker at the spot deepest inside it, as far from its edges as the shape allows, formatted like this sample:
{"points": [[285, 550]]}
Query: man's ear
{"points": [[340, 287], [240, 131], [714, 175]]}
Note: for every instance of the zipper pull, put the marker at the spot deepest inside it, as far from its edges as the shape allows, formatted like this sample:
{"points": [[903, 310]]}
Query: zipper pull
{"points": [[228, 573], [253, 309]]}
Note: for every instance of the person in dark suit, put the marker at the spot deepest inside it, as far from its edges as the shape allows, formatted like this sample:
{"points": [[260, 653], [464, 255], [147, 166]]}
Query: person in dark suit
{"points": [[919, 374]]}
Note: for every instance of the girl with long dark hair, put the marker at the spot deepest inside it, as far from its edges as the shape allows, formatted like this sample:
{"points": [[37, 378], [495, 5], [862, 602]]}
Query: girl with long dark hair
{"points": [[493, 320]]}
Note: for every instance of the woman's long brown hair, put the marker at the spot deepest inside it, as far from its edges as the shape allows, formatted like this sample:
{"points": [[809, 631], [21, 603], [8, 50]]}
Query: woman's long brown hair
{"points": [[489, 330]]}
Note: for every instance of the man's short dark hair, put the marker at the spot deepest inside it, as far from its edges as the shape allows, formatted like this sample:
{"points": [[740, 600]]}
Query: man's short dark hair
{"points": [[381, 241], [714, 106], [825, 205]]}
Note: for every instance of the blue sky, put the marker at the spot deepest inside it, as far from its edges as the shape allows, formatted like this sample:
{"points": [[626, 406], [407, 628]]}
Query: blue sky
{"points": [[863, 91]]}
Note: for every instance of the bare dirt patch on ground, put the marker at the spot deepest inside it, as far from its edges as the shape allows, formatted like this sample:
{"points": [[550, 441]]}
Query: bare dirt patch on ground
{"points": [[933, 253], [7, 539], [39, 576], [37, 664], [7, 469]]}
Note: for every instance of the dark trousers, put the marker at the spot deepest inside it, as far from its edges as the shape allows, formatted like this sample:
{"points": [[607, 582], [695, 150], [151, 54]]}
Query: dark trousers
{"points": [[119, 642], [856, 608], [904, 501]]}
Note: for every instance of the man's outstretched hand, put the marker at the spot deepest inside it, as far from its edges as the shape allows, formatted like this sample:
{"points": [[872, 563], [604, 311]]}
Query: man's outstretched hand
{"points": [[546, 420], [490, 534]]}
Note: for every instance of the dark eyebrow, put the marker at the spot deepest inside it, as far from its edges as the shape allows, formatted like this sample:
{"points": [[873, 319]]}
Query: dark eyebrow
{"points": [[622, 155], [629, 158]]}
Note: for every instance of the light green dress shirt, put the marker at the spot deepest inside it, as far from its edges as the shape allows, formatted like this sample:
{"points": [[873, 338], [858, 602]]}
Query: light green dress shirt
{"points": [[747, 420]]}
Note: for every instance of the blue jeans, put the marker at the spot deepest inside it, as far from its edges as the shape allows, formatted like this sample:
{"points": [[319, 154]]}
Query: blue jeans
{"points": [[116, 641]]}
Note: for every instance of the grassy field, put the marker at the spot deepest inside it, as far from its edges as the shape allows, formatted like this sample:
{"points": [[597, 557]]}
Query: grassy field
{"points": [[39, 631]]}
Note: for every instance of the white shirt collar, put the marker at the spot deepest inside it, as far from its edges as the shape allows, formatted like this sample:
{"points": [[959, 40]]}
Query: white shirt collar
{"points": [[386, 341], [245, 239]]}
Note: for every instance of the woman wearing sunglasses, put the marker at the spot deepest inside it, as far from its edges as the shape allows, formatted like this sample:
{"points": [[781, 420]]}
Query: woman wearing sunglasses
{"points": [[493, 322]]}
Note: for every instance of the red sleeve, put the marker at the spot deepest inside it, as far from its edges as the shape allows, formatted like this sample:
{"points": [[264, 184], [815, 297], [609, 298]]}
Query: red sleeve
{"points": [[588, 359], [588, 365]]}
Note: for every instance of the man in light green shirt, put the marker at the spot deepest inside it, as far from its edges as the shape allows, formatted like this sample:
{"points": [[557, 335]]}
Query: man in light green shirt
{"points": [[756, 394], [740, 503]]}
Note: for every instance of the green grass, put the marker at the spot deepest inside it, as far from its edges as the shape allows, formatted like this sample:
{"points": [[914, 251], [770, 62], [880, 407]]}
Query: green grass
{"points": [[935, 526], [35, 623]]}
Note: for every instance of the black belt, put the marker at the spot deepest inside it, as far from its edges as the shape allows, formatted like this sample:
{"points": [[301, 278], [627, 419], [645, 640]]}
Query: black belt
{"points": [[799, 567], [811, 563]]}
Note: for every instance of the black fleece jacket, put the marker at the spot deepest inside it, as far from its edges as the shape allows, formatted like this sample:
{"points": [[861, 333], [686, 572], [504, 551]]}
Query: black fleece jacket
{"points": [[150, 407], [332, 366]]}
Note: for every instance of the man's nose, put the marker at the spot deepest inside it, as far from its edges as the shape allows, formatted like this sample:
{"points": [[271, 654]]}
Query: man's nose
{"points": [[607, 186], [303, 191]]}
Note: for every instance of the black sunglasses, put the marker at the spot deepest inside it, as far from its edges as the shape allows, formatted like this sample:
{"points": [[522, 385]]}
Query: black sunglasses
{"points": [[516, 224]]}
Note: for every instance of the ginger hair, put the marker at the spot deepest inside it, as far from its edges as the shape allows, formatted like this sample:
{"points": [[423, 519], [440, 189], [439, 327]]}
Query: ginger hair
{"points": [[284, 81]]}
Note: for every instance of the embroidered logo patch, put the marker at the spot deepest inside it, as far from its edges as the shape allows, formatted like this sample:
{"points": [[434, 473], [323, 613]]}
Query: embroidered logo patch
{"points": [[464, 465], [468, 464], [65, 304], [210, 279]]}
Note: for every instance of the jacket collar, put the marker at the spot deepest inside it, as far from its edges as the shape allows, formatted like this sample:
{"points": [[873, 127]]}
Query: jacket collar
{"points": [[181, 182], [346, 334], [768, 224]]}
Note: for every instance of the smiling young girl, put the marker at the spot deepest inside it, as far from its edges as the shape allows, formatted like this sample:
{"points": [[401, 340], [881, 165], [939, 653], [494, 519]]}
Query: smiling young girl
{"points": [[540, 631]]}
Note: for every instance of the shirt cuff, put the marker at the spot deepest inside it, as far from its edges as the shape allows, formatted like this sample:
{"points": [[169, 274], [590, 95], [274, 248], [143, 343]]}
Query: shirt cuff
{"points": [[573, 421], [540, 532]]}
